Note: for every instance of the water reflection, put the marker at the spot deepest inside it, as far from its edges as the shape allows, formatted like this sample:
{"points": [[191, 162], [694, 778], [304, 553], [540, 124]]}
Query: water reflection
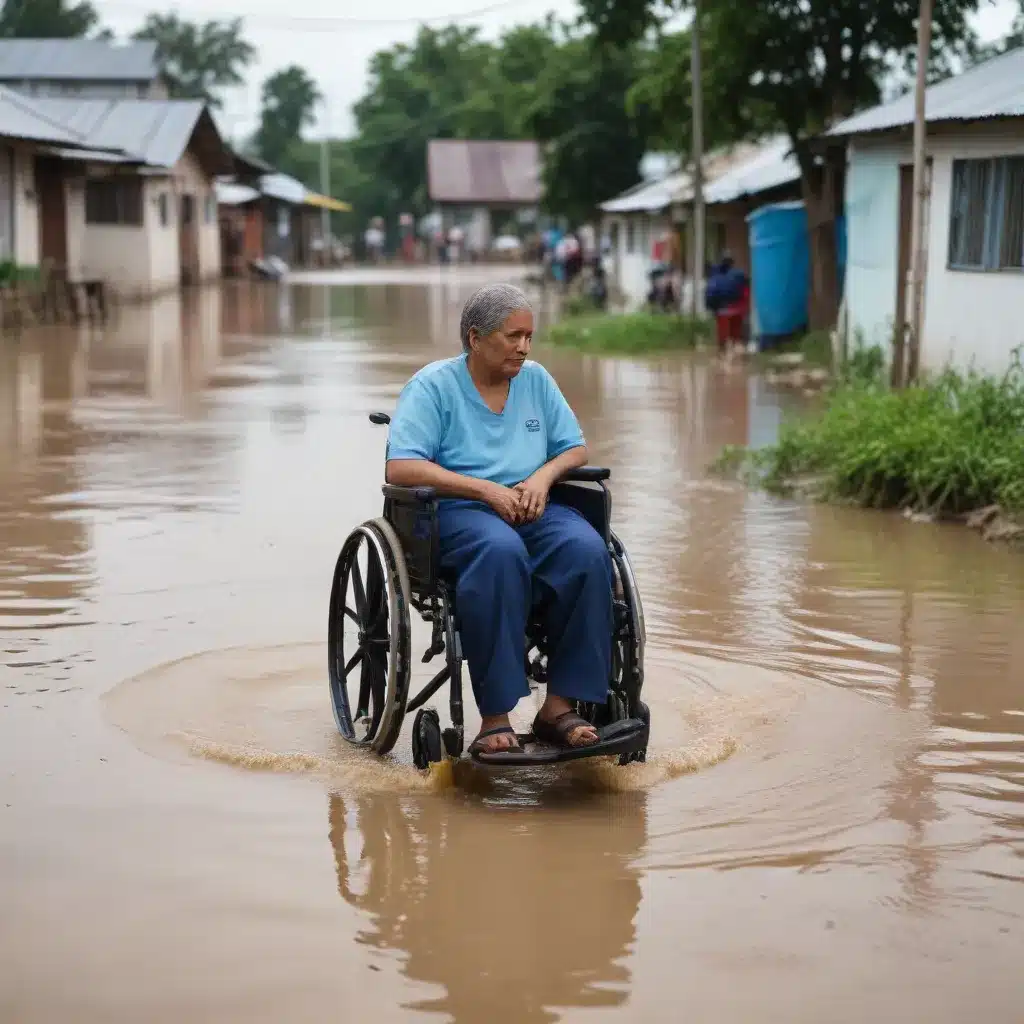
{"points": [[485, 912]]}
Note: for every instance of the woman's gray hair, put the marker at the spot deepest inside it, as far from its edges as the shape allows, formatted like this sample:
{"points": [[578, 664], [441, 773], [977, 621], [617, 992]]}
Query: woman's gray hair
{"points": [[488, 308]]}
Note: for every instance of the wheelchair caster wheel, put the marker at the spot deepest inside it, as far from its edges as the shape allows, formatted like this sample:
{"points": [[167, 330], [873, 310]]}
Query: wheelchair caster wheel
{"points": [[643, 712], [426, 738], [453, 741]]}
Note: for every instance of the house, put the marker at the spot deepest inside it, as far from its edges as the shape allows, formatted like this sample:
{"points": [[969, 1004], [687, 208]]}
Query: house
{"points": [[974, 220], [271, 214], [81, 68], [737, 180], [468, 179], [144, 221], [29, 218]]}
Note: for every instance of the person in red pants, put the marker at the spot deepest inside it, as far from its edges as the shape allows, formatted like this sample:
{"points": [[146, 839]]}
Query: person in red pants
{"points": [[727, 297]]}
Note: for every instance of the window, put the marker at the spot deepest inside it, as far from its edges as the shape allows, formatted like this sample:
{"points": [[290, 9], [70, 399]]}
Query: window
{"points": [[986, 214], [630, 235], [210, 211], [163, 206], [113, 201]]}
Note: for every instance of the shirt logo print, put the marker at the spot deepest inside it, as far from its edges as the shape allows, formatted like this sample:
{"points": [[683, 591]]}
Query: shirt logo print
{"points": [[533, 426]]}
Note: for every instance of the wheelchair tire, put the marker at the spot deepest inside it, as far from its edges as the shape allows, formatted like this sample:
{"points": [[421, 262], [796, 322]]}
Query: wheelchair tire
{"points": [[632, 651], [380, 612], [426, 739]]}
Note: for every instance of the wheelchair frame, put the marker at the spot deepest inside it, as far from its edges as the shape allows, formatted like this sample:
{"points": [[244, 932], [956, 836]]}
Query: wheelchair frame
{"points": [[405, 546]]}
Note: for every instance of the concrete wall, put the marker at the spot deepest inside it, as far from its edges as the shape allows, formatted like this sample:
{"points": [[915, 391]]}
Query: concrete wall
{"points": [[26, 208], [189, 178], [147, 261], [971, 317], [162, 239], [74, 199]]}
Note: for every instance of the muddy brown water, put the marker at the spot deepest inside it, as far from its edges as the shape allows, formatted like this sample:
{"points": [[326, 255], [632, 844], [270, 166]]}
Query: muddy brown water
{"points": [[830, 826]]}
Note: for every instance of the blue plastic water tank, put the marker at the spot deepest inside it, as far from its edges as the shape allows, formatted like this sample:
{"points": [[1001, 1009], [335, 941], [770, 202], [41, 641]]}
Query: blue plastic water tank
{"points": [[780, 268]]}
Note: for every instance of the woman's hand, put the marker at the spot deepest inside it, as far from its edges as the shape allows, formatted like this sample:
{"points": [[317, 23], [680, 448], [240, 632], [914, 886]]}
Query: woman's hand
{"points": [[533, 497], [506, 501]]}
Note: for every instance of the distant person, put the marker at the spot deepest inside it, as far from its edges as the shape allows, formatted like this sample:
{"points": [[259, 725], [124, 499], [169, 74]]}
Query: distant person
{"points": [[727, 298]]}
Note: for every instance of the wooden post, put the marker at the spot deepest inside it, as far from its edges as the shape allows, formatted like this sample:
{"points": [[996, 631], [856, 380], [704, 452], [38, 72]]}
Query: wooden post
{"points": [[918, 243], [697, 119]]}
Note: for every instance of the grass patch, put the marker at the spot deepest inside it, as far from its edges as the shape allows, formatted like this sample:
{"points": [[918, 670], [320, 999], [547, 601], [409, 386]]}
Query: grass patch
{"points": [[629, 332], [947, 447]]}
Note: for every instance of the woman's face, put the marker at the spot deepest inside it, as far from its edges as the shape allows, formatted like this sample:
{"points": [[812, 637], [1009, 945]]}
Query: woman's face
{"points": [[504, 352]]}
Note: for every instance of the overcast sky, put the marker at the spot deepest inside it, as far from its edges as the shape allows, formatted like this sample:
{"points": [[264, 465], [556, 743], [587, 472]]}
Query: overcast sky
{"points": [[334, 39]]}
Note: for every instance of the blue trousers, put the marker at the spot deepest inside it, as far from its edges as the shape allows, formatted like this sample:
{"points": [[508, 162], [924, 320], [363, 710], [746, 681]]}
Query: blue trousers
{"points": [[558, 564]]}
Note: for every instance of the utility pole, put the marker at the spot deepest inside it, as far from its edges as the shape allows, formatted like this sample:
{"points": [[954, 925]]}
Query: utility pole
{"points": [[919, 245], [697, 145]]}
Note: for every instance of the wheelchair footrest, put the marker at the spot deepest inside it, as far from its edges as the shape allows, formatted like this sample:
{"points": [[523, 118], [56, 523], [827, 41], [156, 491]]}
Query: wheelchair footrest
{"points": [[624, 737]]}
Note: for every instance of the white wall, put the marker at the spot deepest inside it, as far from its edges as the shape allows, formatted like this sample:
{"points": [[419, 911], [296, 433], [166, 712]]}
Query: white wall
{"points": [[971, 317], [873, 218], [628, 266], [74, 200], [164, 254], [26, 209]]}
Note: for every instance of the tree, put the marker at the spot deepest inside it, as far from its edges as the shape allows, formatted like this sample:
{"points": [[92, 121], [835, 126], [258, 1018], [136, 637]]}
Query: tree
{"points": [[805, 64], [197, 60], [437, 87], [593, 144], [289, 100], [49, 19]]}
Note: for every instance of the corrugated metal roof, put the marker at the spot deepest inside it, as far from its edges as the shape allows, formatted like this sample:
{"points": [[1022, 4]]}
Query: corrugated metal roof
{"points": [[283, 187], [461, 171], [21, 118], [772, 167], [649, 197], [744, 169], [156, 131], [88, 60], [231, 194], [992, 89]]}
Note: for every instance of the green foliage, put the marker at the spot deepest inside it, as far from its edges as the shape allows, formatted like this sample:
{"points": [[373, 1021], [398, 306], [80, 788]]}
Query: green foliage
{"points": [[947, 446], [49, 19], [542, 81], [12, 273], [629, 333], [289, 99], [594, 142], [197, 60]]}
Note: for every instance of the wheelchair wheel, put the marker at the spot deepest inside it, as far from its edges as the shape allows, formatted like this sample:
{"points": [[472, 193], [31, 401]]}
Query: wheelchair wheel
{"points": [[426, 738], [369, 668], [629, 650]]}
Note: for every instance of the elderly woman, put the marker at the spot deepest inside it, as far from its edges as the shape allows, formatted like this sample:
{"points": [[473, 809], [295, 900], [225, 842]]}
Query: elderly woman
{"points": [[490, 431]]}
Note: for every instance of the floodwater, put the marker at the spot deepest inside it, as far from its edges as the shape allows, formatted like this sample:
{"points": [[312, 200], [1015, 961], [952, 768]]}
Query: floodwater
{"points": [[830, 826]]}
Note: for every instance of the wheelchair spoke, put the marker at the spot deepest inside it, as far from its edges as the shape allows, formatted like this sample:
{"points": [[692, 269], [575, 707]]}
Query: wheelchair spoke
{"points": [[352, 662], [357, 586]]}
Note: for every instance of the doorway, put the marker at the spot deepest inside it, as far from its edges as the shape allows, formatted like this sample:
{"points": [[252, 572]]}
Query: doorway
{"points": [[188, 239], [53, 213]]}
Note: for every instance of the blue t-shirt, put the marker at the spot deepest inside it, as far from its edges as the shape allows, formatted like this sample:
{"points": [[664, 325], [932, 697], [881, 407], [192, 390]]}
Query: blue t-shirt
{"points": [[441, 417]]}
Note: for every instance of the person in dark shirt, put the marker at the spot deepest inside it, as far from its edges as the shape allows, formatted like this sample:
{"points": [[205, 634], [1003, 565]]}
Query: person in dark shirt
{"points": [[727, 298]]}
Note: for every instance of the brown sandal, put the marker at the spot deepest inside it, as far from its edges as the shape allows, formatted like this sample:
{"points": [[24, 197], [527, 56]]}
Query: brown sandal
{"points": [[558, 731]]}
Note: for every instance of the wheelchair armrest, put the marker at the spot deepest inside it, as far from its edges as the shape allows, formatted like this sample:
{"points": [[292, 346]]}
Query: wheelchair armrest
{"points": [[586, 474], [410, 495]]}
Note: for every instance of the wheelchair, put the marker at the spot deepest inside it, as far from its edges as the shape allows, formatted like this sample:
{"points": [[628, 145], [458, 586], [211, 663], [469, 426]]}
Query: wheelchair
{"points": [[389, 567]]}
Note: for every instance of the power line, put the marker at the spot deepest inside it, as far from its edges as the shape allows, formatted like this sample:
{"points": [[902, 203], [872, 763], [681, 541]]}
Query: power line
{"points": [[300, 24]]}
